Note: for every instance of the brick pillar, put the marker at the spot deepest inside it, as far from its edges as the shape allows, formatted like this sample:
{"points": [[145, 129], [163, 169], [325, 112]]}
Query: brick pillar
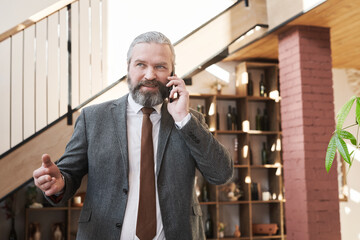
{"points": [[307, 112]]}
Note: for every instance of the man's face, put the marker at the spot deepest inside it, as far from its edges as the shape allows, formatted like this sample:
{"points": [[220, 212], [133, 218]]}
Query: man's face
{"points": [[148, 70]]}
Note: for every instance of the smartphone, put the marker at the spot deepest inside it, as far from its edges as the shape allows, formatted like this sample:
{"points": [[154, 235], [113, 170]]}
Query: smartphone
{"points": [[169, 90]]}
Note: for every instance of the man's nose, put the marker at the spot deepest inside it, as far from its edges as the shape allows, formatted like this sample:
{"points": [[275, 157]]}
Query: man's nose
{"points": [[150, 74]]}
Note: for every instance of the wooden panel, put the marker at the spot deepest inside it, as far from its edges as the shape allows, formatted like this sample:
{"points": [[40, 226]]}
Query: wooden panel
{"points": [[53, 68], [29, 81], [19, 164], [84, 56], [17, 89], [63, 62], [95, 47], [5, 96], [40, 89], [75, 82], [214, 37], [343, 19]]}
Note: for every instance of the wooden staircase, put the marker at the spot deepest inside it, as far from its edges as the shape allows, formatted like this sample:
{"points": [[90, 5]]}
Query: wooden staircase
{"points": [[19, 158]]}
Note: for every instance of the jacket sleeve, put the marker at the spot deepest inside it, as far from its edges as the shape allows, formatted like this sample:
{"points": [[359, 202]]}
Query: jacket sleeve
{"points": [[212, 158], [73, 163]]}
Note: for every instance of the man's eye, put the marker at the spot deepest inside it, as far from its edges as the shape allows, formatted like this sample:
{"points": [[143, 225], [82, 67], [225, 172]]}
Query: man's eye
{"points": [[140, 64], [160, 67]]}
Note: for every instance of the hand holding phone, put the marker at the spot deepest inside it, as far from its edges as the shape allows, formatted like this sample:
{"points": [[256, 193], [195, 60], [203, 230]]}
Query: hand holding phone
{"points": [[169, 91]]}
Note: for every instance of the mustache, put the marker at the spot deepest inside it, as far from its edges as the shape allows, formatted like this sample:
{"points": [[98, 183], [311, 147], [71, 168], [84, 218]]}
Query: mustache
{"points": [[149, 83]]}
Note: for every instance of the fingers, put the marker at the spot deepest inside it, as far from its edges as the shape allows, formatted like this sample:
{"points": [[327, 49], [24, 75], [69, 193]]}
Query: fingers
{"points": [[46, 161], [179, 86], [48, 177], [44, 182]]}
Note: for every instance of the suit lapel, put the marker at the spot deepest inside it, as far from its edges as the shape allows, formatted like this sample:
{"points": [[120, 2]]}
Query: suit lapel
{"points": [[118, 110], [166, 125]]}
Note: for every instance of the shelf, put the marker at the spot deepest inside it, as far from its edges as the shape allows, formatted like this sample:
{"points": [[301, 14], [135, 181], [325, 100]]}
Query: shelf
{"points": [[258, 132], [48, 209], [236, 238], [200, 96], [258, 98], [234, 202], [269, 201], [208, 203], [266, 166], [229, 132], [266, 237], [240, 166]]}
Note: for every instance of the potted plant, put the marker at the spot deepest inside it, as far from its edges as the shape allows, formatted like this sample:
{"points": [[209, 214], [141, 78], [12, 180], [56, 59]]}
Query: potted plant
{"points": [[337, 141], [221, 228]]}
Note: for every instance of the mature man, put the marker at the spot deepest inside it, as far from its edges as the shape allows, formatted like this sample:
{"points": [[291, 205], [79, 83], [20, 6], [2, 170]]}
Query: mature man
{"points": [[139, 188]]}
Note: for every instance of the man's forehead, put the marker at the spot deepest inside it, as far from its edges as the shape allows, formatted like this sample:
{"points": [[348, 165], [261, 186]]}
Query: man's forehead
{"points": [[152, 52]]}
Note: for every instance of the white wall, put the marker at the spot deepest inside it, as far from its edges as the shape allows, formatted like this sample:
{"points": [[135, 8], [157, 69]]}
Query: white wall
{"points": [[14, 12], [350, 210]]}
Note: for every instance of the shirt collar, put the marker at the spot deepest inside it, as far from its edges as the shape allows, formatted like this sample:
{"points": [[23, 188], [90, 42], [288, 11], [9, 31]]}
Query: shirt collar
{"points": [[137, 107]]}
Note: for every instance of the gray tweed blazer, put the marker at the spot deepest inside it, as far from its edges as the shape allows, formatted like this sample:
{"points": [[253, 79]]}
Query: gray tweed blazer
{"points": [[98, 147]]}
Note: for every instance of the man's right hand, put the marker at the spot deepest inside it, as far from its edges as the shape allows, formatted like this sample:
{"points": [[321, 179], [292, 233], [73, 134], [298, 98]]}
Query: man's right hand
{"points": [[48, 177]]}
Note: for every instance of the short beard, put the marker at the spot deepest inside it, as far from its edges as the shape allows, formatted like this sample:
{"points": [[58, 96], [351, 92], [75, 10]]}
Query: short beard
{"points": [[148, 99]]}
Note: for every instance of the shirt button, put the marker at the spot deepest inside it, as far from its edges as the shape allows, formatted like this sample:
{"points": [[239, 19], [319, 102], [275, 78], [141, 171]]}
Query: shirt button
{"points": [[118, 225], [125, 191]]}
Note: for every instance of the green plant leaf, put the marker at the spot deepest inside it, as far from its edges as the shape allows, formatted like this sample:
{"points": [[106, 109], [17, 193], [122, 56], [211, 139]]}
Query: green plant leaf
{"points": [[330, 153], [347, 135], [341, 146], [344, 111], [357, 111]]}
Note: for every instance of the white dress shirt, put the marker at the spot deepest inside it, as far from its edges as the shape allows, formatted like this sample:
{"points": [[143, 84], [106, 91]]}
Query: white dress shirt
{"points": [[134, 123]]}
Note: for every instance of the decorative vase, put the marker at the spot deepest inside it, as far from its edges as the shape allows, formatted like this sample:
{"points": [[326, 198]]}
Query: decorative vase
{"points": [[237, 232], [37, 234], [12, 235]]}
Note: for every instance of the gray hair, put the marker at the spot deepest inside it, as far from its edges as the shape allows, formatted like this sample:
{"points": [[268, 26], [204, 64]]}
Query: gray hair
{"points": [[152, 37]]}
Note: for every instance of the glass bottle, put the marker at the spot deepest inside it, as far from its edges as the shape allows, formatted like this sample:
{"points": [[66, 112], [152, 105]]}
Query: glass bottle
{"points": [[258, 120], [234, 119], [250, 156], [236, 151], [205, 195], [264, 159], [209, 226], [265, 121], [262, 86], [198, 108], [250, 85], [229, 119]]}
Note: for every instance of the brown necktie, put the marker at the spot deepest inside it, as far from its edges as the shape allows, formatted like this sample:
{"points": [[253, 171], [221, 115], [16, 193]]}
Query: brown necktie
{"points": [[146, 221]]}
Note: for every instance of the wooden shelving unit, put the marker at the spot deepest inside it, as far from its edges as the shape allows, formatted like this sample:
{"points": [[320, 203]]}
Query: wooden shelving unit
{"points": [[248, 168]]}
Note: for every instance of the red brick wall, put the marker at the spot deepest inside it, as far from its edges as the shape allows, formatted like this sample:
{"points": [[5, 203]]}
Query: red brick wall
{"points": [[307, 112]]}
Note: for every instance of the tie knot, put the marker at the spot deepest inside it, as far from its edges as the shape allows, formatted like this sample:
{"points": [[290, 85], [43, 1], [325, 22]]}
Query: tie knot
{"points": [[147, 110]]}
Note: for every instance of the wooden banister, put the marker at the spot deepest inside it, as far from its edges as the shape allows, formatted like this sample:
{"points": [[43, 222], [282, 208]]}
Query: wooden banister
{"points": [[35, 18]]}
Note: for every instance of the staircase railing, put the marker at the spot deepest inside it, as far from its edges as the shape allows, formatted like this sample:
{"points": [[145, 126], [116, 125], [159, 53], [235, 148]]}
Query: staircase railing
{"points": [[50, 65]]}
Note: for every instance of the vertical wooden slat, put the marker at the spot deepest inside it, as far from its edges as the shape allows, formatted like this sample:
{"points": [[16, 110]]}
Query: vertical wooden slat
{"points": [[53, 68], [63, 62], [17, 89], [75, 82], [5, 47], [84, 57], [29, 81], [104, 24], [95, 47], [41, 84]]}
